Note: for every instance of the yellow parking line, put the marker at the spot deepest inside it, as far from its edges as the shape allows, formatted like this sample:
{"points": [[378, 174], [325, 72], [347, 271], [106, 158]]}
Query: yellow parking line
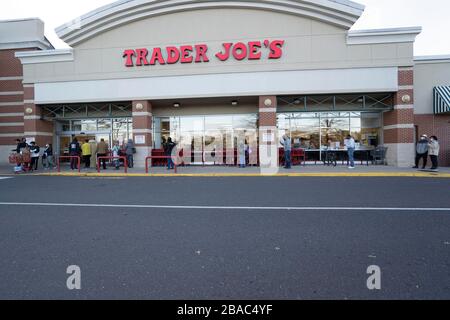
{"points": [[312, 174]]}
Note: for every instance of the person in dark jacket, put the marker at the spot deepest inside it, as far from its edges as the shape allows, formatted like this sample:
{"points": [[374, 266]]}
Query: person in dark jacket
{"points": [[47, 157], [168, 148], [129, 151], [21, 144], [74, 151], [422, 152], [35, 154]]}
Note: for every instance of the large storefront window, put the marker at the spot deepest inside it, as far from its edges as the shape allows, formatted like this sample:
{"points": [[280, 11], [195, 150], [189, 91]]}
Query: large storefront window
{"points": [[116, 129], [204, 130], [317, 130]]}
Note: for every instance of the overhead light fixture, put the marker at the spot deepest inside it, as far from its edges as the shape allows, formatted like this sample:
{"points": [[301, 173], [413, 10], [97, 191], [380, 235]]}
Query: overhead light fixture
{"points": [[297, 101], [234, 103], [176, 105]]}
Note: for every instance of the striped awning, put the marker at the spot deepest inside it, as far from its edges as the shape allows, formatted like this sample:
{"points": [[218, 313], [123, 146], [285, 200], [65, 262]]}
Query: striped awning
{"points": [[441, 99]]}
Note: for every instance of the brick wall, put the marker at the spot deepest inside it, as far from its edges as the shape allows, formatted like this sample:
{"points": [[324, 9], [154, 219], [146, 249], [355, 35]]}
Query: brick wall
{"points": [[11, 102], [437, 125]]}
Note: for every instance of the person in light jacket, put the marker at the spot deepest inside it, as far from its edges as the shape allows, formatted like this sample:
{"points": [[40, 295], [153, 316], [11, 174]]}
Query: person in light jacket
{"points": [[102, 150], [86, 152], [129, 150], [351, 145], [433, 151], [116, 153], [242, 154]]}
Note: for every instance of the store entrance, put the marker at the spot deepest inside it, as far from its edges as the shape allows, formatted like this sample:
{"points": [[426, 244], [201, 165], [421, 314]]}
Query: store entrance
{"points": [[211, 139]]}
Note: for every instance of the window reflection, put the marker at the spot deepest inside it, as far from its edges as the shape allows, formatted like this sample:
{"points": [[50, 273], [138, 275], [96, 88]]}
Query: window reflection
{"points": [[319, 130], [204, 131]]}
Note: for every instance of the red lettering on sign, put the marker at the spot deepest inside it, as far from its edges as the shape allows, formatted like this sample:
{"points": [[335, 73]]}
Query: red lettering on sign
{"points": [[141, 57], [275, 49], [186, 54], [252, 50], [254, 53], [129, 55], [240, 51], [224, 56], [173, 55], [157, 56], [201, 50]]}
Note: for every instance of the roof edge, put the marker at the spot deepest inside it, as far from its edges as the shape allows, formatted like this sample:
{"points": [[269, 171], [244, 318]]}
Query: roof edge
{"points": [[432, 58], [386, 35], [341, 13]]}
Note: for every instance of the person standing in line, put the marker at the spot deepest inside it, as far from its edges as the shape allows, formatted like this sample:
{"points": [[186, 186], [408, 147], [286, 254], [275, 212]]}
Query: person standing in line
{"points": [[287, 144], [26, 158], [129, 151], [102, 150], [93, 144], [35, 154], [74, 151], [116, 153], [21, 144], [47, 156], [350, 144], [169, 146], [86, 152], [433, 151], [242, 154], [422, 152]]}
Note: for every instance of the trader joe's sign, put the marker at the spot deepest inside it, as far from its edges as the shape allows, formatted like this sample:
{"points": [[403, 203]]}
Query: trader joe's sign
{"points": [[253, 50]]}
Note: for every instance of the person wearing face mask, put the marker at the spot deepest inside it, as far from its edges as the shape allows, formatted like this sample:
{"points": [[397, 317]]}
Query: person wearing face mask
{"points": [[422, 151], [47, 157], [433, 151]]}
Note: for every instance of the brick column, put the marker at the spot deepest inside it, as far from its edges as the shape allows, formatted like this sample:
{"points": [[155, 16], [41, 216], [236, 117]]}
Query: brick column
{"points": [[142, 131], [398, 124], [268, 134], [37, 129]]}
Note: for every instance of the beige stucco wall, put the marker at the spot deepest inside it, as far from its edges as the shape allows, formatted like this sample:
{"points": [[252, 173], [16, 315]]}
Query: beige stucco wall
{"points": [[309, 45], [207, 109], [426, 77]]}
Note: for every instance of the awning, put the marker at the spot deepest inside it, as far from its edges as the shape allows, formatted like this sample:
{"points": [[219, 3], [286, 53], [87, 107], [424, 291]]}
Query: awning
{"points": [[441, 99]]}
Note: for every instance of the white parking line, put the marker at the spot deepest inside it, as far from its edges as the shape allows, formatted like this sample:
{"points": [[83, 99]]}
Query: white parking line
{"points": [[3, 178], [92, 205]]}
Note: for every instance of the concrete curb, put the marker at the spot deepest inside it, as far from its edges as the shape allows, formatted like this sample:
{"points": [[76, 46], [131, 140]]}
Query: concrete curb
{"points": [[338, 174]]}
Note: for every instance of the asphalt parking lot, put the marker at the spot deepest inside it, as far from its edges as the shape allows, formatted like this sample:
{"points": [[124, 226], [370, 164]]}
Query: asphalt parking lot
{"points": [[224, 238]]}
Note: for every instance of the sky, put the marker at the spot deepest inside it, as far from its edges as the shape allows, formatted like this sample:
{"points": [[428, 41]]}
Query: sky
{"points": [[431, 15]]}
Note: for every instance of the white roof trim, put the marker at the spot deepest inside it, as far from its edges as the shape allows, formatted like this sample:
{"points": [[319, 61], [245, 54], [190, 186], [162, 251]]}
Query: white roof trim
{"points": [[45, 56], [392, 35], [432, 59], [341, 13], [43, 45]]}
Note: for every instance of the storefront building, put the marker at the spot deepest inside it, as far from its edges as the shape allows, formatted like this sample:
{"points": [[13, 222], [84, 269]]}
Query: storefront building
{"points": [[210, 74]]}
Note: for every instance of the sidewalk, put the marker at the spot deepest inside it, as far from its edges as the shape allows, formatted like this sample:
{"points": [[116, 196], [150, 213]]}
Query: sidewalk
{"points": [[228, 171]]}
